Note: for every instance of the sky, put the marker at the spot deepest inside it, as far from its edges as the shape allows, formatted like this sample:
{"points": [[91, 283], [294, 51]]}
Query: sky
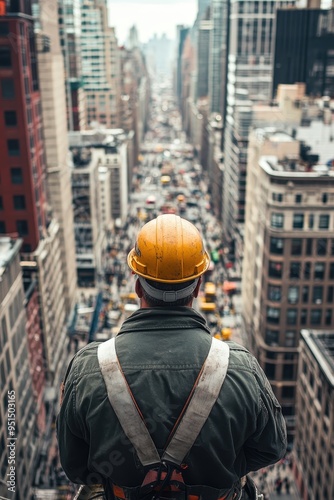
{"points": [[150, 16]]}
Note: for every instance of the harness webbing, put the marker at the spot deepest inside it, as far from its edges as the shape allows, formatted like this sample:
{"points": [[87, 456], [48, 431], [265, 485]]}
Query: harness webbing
{"points": [[202, 398]]}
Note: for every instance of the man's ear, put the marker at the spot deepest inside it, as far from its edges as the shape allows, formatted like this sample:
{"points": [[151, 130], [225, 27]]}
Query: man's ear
{"points": [[138, 289], [195, 292]]}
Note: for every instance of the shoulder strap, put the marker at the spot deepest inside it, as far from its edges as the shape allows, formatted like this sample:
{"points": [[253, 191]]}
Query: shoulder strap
{"points": [[204, 395]]}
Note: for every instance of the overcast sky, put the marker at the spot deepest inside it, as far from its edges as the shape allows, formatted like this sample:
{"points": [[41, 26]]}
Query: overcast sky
{"points": [[150, 16]]}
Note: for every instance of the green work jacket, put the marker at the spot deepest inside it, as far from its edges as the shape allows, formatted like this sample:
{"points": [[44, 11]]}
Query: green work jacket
{"points": [[161, 352]]}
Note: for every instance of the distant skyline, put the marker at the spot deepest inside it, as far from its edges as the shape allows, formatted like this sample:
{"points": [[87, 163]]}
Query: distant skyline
{"points": [[150, 16]]}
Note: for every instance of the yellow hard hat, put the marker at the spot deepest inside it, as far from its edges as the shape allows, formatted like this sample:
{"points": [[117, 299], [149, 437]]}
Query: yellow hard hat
{"points": [[169, 249]]}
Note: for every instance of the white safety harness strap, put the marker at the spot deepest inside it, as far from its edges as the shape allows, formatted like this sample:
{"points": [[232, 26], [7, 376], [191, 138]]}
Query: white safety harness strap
{"points": [[203, 398]]}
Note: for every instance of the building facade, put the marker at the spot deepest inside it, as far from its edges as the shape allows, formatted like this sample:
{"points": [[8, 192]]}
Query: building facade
{"points": [[18, 436], [288, 268], [314, 441]]}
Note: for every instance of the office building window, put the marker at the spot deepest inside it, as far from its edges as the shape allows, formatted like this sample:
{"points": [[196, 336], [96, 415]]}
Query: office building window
{"points": [[13, 147], [294, 269], [307, 270], [296, 246], [10, 119], [330, 294], [288, 392], [291, 316], [324, 198], [273, 314], [328, 317], [293, 294], [4, 29], [316, 316], [298, 221], [288, 372], [303, 316], [274, 293], [305, 294], [272, 337], [277, 220], [19, 202], [16, 175], [321, 246], [22, 227], [331, 271], [269, 369], [5, 56], [275, 269], [276, 246], [290, 338], [324, 222], [309, 246], [2, 227], [319, 270], [310, 221], [7, 88], [317, 296], [298, 198]]}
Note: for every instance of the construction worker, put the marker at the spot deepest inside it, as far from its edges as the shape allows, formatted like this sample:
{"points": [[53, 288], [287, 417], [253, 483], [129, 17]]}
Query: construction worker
{"points": [[126, 399]]}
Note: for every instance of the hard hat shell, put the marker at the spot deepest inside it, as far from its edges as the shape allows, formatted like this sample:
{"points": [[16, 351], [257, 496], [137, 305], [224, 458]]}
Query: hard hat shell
{"points": [[169, 249]]}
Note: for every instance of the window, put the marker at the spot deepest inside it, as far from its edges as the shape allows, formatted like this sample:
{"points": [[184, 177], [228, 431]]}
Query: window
{"points": [[321, 246], [317, 294], [7, 88], [288, 371], [22, 227], [10, 119], [324, 222], [298, 221], [307, 270], [303, 316], [272, 337], [296, 246], [273, 314], [275, 269], [324, 198], [5, 57], [294, 269], [274, 293], [316, 316], [16, 175], [309, 246], [277, 197], [330, 294], [298, 198], [331, 271], [288, 392], [19, 202], [305, 294], [276, 246], [310, 221], [291, 316], [319, 271], [4, 29], [2, 227], [13, 147], [290, 338], [293, 294], [269, 369], [277, 220], [328, 317]]}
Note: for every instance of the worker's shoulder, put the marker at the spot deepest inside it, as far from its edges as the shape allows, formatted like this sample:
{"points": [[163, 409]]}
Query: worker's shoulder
{"points": [[86, 360], [241, 357]]}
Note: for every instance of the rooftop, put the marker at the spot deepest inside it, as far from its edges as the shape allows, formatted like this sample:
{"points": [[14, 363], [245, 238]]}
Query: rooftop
{"points": [[8, 249], [321, 344]]}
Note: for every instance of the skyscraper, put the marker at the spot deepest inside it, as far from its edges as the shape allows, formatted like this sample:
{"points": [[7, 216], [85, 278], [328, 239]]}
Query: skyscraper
{"points": [[100, 64]]}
